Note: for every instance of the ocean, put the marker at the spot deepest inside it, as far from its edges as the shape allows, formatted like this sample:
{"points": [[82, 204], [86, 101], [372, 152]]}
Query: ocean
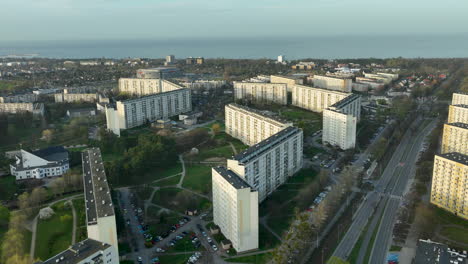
{"points": [[379, 46]]}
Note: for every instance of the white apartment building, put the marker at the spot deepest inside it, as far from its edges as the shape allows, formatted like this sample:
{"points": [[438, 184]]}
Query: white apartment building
{"points": [[137, 111], [460, 99], [249, 125], [315, 99], [288, 80], [383, 78], [88, 251], [39, 164], [333, 83], [206, 84], [19, 98], [235, 209], [268, 164], [100, 216], [458, 114], [14, 108], [393, 76], [455, 138], [261, 92], [159, 72], [449, 181], [75, 97], [360, 87], [139, 86], [339, 129]]}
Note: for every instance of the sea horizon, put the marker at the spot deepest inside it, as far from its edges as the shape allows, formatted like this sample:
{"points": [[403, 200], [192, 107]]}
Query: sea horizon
{"points": [[293, 48]]}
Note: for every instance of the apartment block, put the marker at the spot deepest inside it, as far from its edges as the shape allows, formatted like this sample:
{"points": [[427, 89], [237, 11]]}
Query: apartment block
{"points": [[235, 209], [458, 114], [140, 87], [339, 129], [76, 97], [333, 83], [19, 98], [100, 216], [138, 111], [455, 138], [85, 252], [269, 163], [386, 79], [261, 92], [315, 99], [14, 108], [159, 73], [290, 81], [460, 99], [449, 183], [251, 126], [40, 164]]}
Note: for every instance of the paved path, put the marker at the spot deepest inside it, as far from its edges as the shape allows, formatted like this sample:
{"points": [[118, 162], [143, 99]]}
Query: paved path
{"points": [[33, 238], [264, 223], [74, 222], [181, 159], [233, 148]]}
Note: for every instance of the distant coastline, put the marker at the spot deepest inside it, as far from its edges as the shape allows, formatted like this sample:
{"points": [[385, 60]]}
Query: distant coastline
{"points": [[331, 47]]}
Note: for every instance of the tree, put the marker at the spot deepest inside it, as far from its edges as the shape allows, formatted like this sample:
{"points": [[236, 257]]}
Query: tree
{"points": [[48, 135], [4, 216], [58, 186], [38, 195], [215, 128]]}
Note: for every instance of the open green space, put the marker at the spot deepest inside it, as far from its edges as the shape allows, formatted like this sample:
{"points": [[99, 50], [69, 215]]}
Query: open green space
{"points": [[174, 259], [337, 260], [280, 224], [455, 233], [168, 182], [198, 178], [206, 152], [179, 200], [81, 230], [266, 239], [310, 152], [160, 221], [448, 218], [166, 172], [54, 234], [143, 192], [294, 114], [8, 187], [253, 259]]}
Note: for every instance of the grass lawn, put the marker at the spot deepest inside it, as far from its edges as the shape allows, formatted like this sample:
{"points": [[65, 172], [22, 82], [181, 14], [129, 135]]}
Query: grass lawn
{"points": [[266, 239], [176, 199], [280, 224], [198, 178], [254, 259], [300, 114], [160, 222], [224, 151], [143, 192], [174, 259], [111, 156], [455, 233], [310, 152], [81, 231], [54, 235], [449, 218], [9, 187], [167, 182]]}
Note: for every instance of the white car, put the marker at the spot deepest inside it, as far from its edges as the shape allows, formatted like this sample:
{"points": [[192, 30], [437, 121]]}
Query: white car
{"points": [[209, 239], [215, 248]]}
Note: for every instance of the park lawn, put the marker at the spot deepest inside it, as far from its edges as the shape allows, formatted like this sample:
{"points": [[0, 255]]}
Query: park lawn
{"points": [[280, 224], [253, 259], [207, 152], [158, 222], [167, 182], [55, 234], [266, 239], [111, 156], [81, 230], [143, 192], [9, 187], [455, 233], [166, 172], [167, 198], [174, 259], [300, 114], [449, 218], [198, 178]]}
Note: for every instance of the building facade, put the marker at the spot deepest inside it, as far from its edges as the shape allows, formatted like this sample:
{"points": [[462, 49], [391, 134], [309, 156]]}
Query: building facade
{"points": [[14, 108], [88, 251], [44, 163], [159, 73], [449, 181], [100, 216], [339, 129], [76, 97], [455, 138], [460, 99], [136, 112], [147, 86], [315, 99], [458, 114], [268, 164], [261, 92], [235, 209], [19, 98], [249, 125], [288, 80], [333, 83]]}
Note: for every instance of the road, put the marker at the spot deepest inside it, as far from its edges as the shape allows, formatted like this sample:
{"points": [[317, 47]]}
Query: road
{"points": [[390, 177]]}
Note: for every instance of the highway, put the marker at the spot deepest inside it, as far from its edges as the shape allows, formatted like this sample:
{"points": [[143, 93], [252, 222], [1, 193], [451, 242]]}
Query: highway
{"points": [[390, 180]]}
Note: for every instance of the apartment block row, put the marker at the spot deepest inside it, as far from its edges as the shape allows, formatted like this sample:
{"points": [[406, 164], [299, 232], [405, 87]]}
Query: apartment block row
{"points": [[251, 126], [140, 86], [450, 174], [261, 92], [333, 83], [14, 108], [20, 98]]}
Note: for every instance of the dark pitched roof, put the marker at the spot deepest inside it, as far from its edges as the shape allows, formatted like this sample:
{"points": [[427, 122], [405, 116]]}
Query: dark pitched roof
{"points": [[77, 252]]}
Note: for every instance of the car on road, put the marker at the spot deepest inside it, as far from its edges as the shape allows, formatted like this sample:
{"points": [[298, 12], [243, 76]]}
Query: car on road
{"points": [[160, 250], [209, 239], [139, 259], [215, 248], [204, 234]]}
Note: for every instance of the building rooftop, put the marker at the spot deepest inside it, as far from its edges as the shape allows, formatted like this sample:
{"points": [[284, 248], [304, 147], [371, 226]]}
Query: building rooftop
{"points": [[258, 112], [323, 90], [455, 156], [461, 105], [234, 179], [56, 153], [77, 252], [266, 144], [350, 98], [437, 253], [333, 77], [97, 193], [458, 124]]}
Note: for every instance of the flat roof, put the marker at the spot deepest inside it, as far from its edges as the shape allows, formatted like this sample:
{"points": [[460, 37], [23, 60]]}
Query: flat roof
{"points": [[458, 124], [153, 95], [346, 101], [56, 153], [266, 144], [333, 77], [323, 90], [97, 193], [77, 252], [461, 105], [258, 112], [455, 156], [231, 177]]}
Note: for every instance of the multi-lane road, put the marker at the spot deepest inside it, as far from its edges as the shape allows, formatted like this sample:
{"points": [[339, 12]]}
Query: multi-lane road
{"points": [[391, 185]]}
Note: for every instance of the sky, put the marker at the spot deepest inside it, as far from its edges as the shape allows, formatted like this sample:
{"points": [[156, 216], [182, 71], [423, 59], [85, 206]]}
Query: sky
{"points": [[30, 20]]}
